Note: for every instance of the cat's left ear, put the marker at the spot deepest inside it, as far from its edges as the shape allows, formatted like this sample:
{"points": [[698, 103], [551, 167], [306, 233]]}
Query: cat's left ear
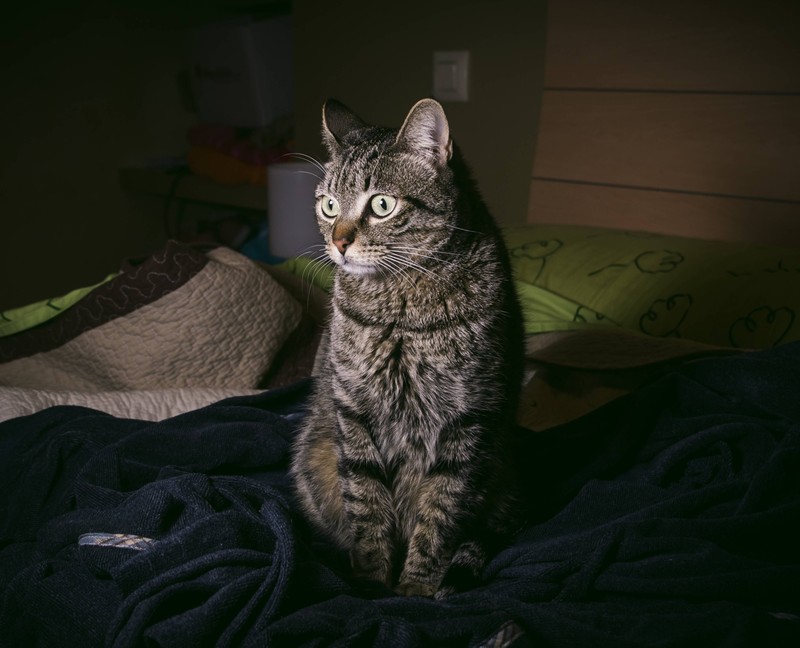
{"points": [[337, 122], [426, 131]]}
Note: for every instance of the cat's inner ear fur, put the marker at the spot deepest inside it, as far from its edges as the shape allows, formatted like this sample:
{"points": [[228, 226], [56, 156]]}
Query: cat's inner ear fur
{"points": [[337, 121], [426, 131]]}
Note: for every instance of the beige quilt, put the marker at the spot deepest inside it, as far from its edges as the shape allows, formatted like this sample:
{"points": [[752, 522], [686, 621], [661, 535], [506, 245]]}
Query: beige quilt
{"points": [[177, 331]]}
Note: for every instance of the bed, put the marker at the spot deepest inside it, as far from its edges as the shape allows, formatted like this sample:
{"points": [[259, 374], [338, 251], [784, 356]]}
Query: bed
{"points": [[146, 422]]}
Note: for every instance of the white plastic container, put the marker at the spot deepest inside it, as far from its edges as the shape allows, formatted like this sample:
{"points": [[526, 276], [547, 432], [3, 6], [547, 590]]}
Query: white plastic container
{"points": [[291, 216]]}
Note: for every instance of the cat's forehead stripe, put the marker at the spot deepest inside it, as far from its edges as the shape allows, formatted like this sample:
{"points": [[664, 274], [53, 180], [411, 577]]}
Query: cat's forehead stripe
{"points": [[357, 169], [361, 204]]}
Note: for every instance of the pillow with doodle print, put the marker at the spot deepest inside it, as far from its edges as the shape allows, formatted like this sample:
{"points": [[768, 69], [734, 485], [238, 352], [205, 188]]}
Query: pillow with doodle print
{"points": [[727, 294]]}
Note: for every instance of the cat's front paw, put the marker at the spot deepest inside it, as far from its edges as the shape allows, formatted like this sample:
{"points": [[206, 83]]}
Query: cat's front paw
{"points": [[415, 589], [371, 569]]}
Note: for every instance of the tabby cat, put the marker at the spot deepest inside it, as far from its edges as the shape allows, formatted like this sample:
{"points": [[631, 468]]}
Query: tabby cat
{"points": [[404, 458]]}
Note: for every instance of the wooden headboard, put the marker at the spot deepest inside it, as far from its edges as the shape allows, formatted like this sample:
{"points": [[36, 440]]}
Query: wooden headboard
{"points": [[677, 117]]}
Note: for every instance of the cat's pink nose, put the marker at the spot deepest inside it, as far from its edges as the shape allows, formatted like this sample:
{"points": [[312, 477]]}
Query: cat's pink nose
{"points": [[342, 244]]}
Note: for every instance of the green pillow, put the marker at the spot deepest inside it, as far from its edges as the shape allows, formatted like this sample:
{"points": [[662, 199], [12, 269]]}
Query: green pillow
{"points": [[727, 294], [25, 317], [570, 277], [317, 273]]}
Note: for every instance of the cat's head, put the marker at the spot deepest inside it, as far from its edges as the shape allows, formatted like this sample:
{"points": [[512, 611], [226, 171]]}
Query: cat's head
{"points": [[387, 200]]}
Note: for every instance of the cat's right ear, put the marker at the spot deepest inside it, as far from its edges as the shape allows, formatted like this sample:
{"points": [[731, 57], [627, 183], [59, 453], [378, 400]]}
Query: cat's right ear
{"points": [[427, 132], [337, 121]]}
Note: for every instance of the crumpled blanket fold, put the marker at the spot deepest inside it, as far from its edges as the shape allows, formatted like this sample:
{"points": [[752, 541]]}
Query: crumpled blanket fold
{"points": [[667, 517]]}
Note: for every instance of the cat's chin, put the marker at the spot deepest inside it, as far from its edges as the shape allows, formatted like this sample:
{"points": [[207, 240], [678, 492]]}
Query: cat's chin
{"points": [[357, 268]]}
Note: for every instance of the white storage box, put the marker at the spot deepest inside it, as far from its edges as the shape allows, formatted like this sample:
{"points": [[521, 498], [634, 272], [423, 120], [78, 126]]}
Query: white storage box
{"points": [[242, 72]]}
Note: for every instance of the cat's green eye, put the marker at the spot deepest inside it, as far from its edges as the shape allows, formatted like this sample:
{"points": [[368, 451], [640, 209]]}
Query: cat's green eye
{"points": [[329, 206], [383, 205]]}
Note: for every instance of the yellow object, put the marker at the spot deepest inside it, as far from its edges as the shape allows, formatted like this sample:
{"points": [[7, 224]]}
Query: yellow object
{"points": [[223, 168]]}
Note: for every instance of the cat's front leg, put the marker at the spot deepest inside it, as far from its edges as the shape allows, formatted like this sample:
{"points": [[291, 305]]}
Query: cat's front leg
{"points": [[436, 534], [372, 527], [368, 505]]}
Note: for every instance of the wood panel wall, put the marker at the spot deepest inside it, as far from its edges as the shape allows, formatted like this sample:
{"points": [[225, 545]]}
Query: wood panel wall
{"points": [[679, 117]]}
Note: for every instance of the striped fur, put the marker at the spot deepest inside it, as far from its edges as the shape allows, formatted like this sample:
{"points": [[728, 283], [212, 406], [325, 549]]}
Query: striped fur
{"points": [[404, 459]]}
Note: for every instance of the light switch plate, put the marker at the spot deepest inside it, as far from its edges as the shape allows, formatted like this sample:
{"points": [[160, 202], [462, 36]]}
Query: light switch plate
{"points": [[451, 76]]}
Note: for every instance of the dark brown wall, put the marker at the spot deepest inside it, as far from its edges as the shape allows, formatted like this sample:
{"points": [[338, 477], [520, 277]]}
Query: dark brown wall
{"points": [[88, 87], [678, 117], [91, 86], [378, 57]]}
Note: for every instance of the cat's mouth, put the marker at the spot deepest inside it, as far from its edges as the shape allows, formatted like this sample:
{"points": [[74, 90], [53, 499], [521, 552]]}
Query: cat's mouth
{"points": [[355, 267], [352, 264]]}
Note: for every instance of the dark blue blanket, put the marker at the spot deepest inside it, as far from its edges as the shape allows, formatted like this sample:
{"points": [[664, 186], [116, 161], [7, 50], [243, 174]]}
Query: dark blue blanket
{"points": [[669, 517]]}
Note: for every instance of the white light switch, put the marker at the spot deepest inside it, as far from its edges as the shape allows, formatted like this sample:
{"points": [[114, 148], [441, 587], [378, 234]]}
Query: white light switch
{"points": [[451, 76]]}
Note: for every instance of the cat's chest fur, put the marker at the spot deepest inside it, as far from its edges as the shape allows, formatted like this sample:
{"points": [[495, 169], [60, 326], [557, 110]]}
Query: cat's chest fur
{"points": [[406, 359]]}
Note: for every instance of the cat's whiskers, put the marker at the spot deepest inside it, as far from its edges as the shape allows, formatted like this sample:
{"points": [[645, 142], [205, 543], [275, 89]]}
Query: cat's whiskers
{"points": [[307, 158], [312, 160], [315, 265], [318, 249], [421, 248], [310, 248], [320, 265], [461, 229], [426, 271], [395, 269], [313, 175], [434, 255], [404, 262], [387, 270]]}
